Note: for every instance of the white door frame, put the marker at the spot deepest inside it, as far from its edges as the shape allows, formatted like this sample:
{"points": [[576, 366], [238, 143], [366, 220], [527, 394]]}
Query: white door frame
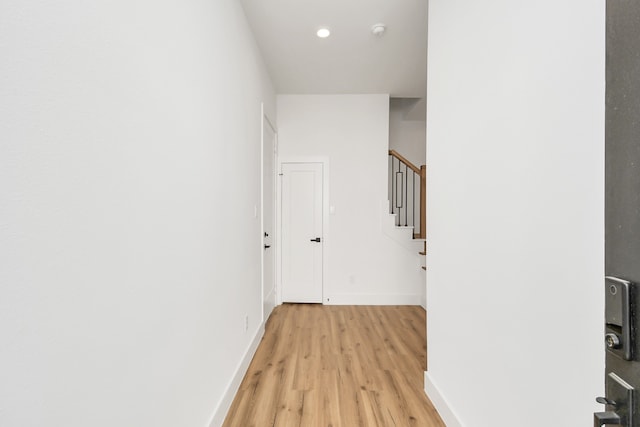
{"points": [[325, 221], [265, 120]]}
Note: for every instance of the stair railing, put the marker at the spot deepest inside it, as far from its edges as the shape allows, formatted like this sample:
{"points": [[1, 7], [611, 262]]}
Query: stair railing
{"points": [[407, 193]]}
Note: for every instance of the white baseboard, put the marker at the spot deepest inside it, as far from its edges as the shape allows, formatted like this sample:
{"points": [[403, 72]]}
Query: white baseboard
{"points": [[440, 403], [423, 301], [373, 299], [232, 388], [269, 303]]}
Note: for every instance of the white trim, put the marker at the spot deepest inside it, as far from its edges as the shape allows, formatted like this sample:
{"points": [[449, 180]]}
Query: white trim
{"points": [[373, 299], [232, 388], [262, 120], [267, 303], [325, 219], [423, 301], [278, 183], [265, 119], [440, 403], [269, 121]]}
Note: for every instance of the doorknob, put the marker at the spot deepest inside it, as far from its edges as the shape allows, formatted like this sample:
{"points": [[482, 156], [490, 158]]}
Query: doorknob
{"points": [[317, 239]]}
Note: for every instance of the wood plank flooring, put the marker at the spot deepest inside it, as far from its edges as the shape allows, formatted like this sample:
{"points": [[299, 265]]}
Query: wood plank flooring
{"points": [[337, 366]]}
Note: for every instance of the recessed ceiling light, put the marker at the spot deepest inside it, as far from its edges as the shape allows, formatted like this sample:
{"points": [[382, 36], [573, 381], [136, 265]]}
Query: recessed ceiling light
{"points": [[378, 29], [323, 33]]}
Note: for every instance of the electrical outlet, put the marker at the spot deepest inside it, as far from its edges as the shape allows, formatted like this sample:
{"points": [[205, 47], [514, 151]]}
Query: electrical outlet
{"points": [[246, 323]]}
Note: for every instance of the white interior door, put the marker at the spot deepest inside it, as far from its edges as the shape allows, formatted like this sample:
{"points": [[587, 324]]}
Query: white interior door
{"points": [[302, 238], [268, 223]]}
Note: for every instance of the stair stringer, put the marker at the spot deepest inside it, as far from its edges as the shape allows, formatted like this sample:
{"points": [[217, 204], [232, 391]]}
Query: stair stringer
{"points": [[403, 236]]}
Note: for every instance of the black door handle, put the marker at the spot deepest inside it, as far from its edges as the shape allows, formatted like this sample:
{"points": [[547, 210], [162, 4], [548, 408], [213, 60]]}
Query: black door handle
{"points": [[267, 246], [317, 239]]}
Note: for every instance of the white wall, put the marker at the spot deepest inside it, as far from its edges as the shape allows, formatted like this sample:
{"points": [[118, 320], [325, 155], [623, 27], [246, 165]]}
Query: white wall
{"points": [[129, 171], [515, 182], [406, 135], [364, 266]]}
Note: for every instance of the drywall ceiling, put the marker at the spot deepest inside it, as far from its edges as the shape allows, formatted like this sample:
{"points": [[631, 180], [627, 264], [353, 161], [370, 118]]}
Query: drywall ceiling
{"points": [[352, 59]]}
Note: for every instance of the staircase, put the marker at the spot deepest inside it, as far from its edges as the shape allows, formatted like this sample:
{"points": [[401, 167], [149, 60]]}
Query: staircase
{"points": [[407, 202]]}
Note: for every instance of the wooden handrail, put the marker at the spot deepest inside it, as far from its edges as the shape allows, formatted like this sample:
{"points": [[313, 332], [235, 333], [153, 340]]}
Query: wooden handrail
{"points": [[404, 160]]}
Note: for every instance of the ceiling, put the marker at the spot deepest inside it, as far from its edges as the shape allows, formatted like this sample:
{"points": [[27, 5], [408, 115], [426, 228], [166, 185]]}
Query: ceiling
{"points": [[352, 59]]}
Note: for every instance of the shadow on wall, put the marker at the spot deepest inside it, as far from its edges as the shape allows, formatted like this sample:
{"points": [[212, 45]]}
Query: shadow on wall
{"points": [[408, 128]]}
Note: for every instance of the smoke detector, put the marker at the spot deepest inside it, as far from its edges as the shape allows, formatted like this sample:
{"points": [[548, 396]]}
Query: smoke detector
{"points": [[378, 29]]}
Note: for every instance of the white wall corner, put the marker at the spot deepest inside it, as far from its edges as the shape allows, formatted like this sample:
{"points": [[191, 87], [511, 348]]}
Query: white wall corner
{"points": [[440, 402], [221, 410]]}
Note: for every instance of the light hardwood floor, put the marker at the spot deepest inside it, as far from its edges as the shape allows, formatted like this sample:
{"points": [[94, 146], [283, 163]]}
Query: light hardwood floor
{"points": [[337, 366]]}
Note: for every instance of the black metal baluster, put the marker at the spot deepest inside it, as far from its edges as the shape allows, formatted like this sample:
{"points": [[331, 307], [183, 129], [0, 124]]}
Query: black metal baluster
{"points": [[390, 181], [393, 187], [413, 201], [406, 194], [399, 207]]}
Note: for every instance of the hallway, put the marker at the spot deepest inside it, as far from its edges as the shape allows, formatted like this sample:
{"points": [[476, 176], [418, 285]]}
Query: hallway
{"points": [[337, 366]]}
